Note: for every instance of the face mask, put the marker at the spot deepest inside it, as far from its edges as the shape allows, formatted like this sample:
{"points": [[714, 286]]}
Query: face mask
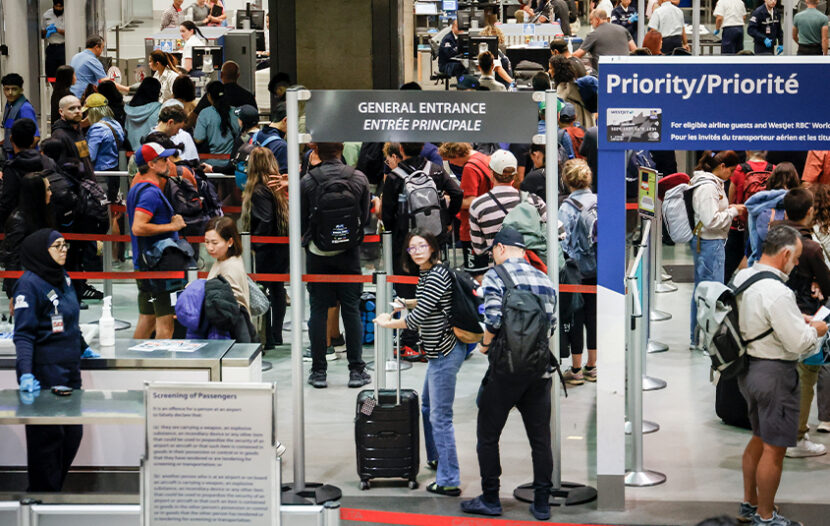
{"points": [[57, 12]]}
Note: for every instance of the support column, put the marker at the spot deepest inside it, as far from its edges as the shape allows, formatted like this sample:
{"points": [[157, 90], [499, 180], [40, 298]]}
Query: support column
{"points": [[76, 30], [22, 47]]}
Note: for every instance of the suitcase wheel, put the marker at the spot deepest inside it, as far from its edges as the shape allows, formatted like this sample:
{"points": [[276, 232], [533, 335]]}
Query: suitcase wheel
{"points": [[413, 484], [364, 485]]}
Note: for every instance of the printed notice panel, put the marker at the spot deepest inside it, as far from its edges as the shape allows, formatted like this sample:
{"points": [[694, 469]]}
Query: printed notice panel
{"points": [[210, 455], [647, 192], [692, 103], [421, 116]]}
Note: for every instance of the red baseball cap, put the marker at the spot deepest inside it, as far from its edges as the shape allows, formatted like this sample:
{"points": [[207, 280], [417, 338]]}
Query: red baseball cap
{"points": [[151, 151]]}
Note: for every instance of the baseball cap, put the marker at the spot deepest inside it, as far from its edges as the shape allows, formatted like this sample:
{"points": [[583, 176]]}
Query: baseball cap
{"points": [[502, 159], [509, 237], [95, 100], [151, 151], [567, 113], [248, 115]]}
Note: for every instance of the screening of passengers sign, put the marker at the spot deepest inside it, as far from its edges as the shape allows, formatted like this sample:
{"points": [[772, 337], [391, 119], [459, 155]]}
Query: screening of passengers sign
{"points": [[421, 116]]}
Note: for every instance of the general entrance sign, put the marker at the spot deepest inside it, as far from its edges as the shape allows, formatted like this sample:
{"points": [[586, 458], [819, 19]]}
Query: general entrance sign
{"points": [[421, 116], [696, 103]]}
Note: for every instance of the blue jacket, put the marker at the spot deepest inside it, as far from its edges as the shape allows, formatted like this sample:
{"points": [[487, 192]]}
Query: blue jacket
{"points": [[103, 143], [760, 207], [189, 312], [447, 50], [53, 357], [21, 109]]}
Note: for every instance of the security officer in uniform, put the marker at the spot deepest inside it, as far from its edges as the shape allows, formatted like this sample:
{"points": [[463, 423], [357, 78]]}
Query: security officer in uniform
{"points": [[765, 28], [49, 345], [447, 51]]}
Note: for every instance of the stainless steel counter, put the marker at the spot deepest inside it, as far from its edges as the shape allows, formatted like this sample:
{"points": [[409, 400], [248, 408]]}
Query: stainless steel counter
{"points": [[81, 407]]}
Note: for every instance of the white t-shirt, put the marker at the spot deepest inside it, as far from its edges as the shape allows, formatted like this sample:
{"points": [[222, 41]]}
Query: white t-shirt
{"points": [[667, 20], [187, 50], [167, 79], [49, 18], [732, 11], [606, 6]]}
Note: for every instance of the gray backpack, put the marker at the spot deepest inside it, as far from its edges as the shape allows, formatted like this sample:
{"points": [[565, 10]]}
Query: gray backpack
{"points": [[421, 200]]}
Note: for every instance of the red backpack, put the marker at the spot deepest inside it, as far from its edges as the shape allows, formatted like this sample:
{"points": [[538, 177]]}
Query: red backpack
{"points": [[756, 180], [577, 134]]}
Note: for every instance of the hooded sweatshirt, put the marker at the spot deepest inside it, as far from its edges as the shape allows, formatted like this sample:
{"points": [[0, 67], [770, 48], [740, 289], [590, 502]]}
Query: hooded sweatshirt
{"points": [[104, 137], [763, 208], [75, 148], [711, 206], [140, 121]]}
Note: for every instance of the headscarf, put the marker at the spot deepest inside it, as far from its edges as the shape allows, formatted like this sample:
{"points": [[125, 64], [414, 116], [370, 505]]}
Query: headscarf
{"points": [[35, 257]]}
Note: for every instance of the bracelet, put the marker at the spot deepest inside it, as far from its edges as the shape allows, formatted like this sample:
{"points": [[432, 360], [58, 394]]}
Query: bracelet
{"points": [[482, 344]]}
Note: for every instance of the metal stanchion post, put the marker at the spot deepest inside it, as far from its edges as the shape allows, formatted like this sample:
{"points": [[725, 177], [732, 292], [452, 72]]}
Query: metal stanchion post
{"points": [[248, 262], [638, 476], [660, 276], [649, 383], [388, 341], [300, 491], [381, 307], [655, 243], [562, 493]]}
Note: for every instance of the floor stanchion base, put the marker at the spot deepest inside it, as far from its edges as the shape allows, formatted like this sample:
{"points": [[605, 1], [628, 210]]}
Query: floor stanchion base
{"points": [[655, 347], [653, 384], [658, 315], [648, 427], [404, 366], [662, 288], [266, 365], [314, 493], [665, 277], [568, 494], [640, 479], [120, 325]]}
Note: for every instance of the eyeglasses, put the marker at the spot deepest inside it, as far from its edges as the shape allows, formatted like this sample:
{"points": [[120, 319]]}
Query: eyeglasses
{"points": [[417, 248], [60, 246]]}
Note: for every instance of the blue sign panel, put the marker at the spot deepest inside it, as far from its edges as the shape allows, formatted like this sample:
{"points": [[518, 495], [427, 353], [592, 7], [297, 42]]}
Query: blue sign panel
{"points": [[696, 103]]}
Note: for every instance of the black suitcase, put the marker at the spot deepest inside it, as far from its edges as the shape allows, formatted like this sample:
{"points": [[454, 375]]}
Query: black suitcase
{"points": [[387, 432], [730, 404]]}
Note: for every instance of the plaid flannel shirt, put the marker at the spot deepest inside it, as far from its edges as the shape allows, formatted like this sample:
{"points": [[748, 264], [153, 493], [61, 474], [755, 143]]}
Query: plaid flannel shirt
{"points": [[526, 278]]}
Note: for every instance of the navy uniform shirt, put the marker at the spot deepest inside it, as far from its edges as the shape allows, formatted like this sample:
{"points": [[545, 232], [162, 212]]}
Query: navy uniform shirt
{"points": [[53, 357], [622, 16], [763, 25], [448, 49]]}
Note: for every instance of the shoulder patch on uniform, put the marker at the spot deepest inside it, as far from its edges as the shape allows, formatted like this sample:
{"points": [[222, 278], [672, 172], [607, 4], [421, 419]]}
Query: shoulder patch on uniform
{"points": [[20, 302], [68, 281]]}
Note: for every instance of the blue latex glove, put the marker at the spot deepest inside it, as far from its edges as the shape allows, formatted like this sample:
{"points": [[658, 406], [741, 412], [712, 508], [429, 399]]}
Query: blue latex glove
{"points": [[51, 30], [28, 398], [779, 49], [634, 17], [768, 42], [716, 32], [28, 383], [89, 353]]}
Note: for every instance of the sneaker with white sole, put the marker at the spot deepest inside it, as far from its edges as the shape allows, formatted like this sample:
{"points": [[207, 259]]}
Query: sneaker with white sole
{"points": [[590, 374], [573, 378], [806, 448], [823, 427], [775, 520], [747, 511], [331, 354]]}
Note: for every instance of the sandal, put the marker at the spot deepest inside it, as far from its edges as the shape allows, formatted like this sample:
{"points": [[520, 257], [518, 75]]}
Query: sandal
{"points": [[449, 491]]}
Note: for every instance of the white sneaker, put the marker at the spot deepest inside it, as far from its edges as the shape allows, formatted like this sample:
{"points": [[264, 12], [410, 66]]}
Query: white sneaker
{"points": [[823, 427], [806, 448]]}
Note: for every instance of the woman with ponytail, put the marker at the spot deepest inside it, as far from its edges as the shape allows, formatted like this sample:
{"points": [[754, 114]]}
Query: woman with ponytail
{"points": [[165, 70], [713, 216], [217, 124], [192, 37]]}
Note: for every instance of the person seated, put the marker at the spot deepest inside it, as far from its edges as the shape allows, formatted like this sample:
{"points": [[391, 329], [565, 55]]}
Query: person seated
{"points": [[447, 51]]}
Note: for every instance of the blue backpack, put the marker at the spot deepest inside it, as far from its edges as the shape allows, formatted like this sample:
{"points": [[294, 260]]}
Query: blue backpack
{"points": [[240, 160]]}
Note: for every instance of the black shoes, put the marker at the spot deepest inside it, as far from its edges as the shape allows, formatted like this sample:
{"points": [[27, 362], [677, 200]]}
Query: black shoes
{"points": [[359, 378]]}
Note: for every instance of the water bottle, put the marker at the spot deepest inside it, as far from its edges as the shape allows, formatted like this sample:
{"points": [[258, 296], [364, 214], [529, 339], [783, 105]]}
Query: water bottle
{"points": [[106, 325]]}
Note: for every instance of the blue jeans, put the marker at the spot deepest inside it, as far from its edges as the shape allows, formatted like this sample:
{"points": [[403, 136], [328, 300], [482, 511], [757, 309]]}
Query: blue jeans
{"points": [[436, 406], [709, 266]]}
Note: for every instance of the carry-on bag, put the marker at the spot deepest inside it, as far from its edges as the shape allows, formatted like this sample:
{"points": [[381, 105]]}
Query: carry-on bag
{"points": [[387, 430]]}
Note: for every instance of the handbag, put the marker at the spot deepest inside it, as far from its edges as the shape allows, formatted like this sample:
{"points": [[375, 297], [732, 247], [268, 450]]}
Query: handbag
{"points": [[258, 301]]}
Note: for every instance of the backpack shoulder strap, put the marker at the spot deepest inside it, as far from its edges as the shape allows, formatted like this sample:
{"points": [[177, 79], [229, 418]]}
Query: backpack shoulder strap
{"points": [[498, 203], [505, 276], [267, 141], [114, 135], [769, 167], [574, 203], [746, 168], [754, 279]]}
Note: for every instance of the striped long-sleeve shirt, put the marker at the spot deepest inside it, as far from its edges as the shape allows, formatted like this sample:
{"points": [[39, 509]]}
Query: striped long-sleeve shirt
{"points": [[431, 315], [487, 213]]}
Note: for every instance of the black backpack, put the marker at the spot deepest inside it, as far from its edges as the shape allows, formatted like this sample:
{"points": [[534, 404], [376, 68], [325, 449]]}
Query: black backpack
{"points": [[186, 202], [466, 302], [335, 217], [64, 197], [211, 204], [520, 349], [93, 207]]}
